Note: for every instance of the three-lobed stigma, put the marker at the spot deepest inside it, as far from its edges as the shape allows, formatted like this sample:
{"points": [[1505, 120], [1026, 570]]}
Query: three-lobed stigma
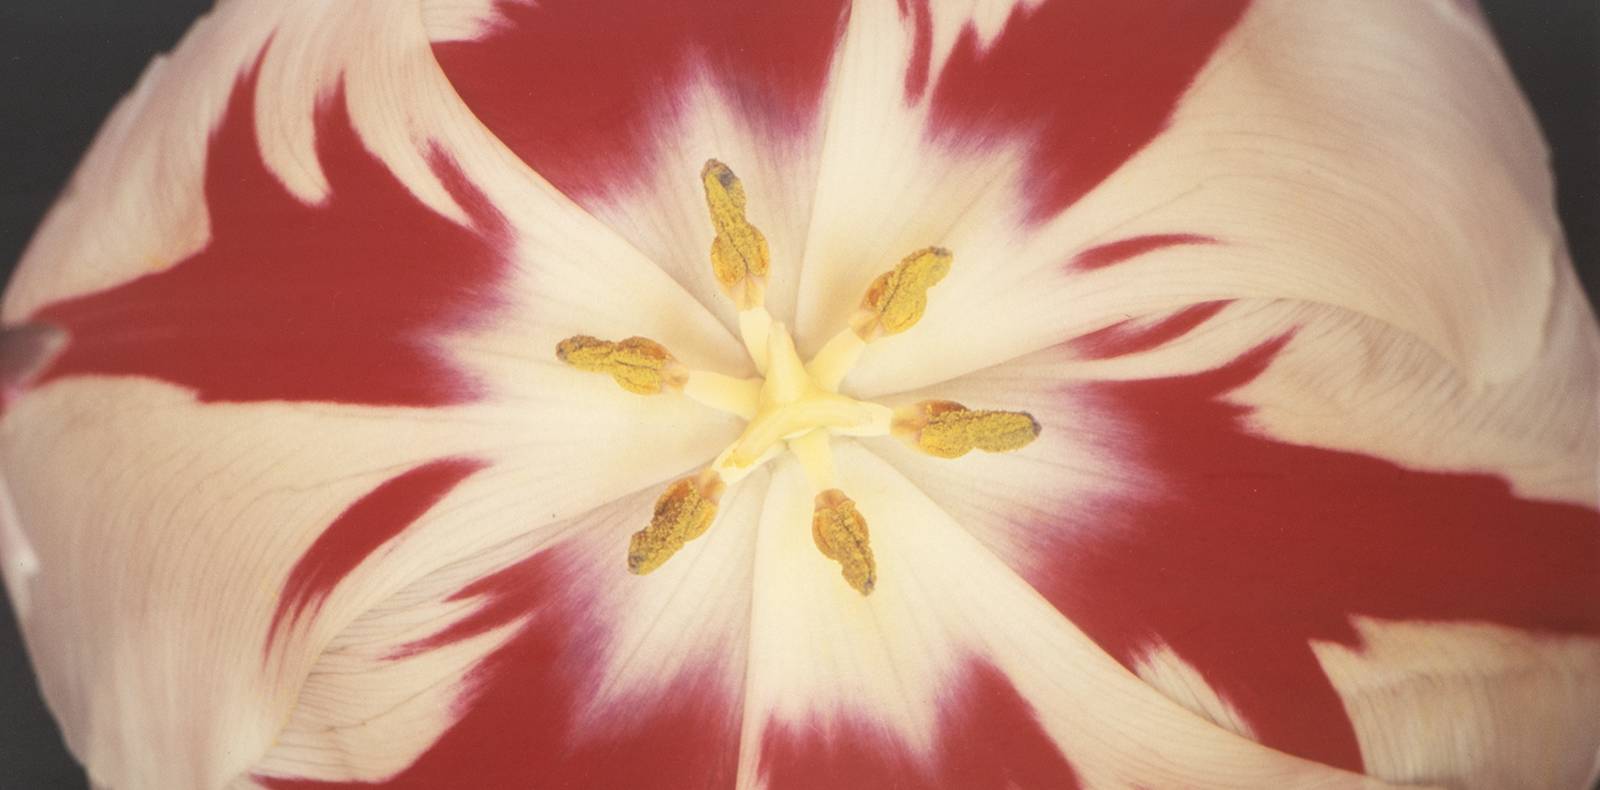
{"points": [[795, 405]]}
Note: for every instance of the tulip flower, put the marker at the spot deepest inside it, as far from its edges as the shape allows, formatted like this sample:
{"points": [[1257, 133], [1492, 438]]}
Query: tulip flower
{"points": [[811, 394]]}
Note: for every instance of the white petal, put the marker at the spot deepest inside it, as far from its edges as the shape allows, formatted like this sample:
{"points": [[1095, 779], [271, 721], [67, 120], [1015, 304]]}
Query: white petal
{"points": [[1471, 706]]}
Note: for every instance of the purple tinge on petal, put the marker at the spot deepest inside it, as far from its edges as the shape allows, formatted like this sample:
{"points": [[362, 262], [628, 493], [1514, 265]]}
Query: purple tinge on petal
{"points": [[25, 352]]}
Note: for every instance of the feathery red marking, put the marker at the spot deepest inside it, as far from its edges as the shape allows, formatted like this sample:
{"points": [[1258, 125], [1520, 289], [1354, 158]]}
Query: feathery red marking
{"points": [[518, 725], [1093, 81], [362, 528], [987, 738], [1124, 249], [585, 91], [1243, 548], [1136, 335], [921, 15], [339, 301]]}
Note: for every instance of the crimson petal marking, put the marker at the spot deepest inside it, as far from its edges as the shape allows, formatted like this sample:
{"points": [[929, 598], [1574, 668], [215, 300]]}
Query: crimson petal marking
{"points": [[988, 738], [330, 302], [1243, 548], [1115, 252], [516, 723], [921, 46], [1133, 335], [580, 89], [362, 529], [1095, 80]]}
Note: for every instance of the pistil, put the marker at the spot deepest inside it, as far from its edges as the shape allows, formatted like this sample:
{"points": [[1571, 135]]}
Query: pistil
{"points": [[794, 405]]}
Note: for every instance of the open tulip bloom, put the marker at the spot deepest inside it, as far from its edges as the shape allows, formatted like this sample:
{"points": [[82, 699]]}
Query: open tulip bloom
{"points": [[811, 394]]}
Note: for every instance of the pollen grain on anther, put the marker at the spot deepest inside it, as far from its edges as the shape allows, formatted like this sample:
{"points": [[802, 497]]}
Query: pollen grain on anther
{"points": [[639, 365], [739, 256], [840, 532], [682, 513], [947, 429]]}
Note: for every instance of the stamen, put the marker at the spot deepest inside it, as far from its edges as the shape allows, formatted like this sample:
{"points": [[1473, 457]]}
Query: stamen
{"points": [[724, 393], [841, 535], [755, 329], [950, 430], [793, 405], [683, 512], [894, 302], [638, 364], [898, 298], [739, 256], [829, 367], [814, 451]]}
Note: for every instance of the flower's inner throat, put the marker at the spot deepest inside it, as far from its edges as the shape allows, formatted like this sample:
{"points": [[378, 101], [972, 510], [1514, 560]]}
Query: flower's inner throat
{"points": [[792, 404]]}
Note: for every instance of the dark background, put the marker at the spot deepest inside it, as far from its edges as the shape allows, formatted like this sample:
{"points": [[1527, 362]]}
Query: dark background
{"points": [[64, 63]]}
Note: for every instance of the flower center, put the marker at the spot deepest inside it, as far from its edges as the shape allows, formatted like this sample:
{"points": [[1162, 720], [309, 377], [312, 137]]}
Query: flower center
{"points": [[792, 405]]}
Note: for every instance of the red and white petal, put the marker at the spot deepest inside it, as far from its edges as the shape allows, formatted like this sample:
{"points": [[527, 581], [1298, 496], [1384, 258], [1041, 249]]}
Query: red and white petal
{"points": [[618, 105], [539, 660], [172, 538], [344, 192], [972, 126], [1264, 178], [261, 401], [953, 672], [107, 229], [1162, 511]]}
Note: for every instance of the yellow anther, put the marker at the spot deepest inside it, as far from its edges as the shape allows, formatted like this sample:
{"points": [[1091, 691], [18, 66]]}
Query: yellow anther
{"points": [[841, 535], [949, 430], [639, 365], [683, 512], [739, 257], [897, 299]]}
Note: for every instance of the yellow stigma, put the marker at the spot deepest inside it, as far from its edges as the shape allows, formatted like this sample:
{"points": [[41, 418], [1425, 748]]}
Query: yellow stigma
{"points": [[841, 535], [949, 430], [683, 512], [639, 365], [739, 252], [898, 298]]}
